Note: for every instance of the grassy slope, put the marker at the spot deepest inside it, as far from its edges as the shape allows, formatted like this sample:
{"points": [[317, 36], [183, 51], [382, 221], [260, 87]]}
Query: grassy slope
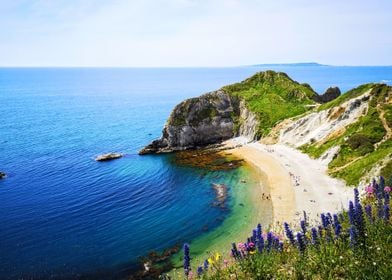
{"points": [[273, 97], [358, 153], [332, 259]]}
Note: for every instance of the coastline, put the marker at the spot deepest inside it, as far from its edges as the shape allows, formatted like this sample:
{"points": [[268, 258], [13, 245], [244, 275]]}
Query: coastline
{"points": [[247, 210], [296, 182]]}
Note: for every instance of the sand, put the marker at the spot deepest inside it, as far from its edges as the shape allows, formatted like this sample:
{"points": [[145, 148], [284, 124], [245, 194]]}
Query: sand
{"points": [[296, 182]]}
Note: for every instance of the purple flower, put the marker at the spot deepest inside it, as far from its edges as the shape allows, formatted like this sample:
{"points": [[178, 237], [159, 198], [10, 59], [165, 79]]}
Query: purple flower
{"points": [[369, 214], [199, 271], [315, 240], [289, 233], [386, 213], [270, 237], [353, 236], [324, 220], [206, 265], [356, 196], [303, 226], [336, 225], [187, 260], [301, 243], [259, 239], [351, 214]]}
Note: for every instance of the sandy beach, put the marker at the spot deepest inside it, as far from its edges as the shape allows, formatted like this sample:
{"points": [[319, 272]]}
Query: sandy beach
{"points": [[296, 182]]}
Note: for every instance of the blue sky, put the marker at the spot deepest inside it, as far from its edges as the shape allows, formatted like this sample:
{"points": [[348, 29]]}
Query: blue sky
{"points": [[194, 32]]}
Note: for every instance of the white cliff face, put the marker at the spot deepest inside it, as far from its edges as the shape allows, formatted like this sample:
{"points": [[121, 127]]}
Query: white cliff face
{"points": [[318, 126], [249, 122]]}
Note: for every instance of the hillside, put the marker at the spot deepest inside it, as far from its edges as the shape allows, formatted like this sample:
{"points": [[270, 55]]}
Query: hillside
{"points": [[249, 108], [273, 97], [352, 134]]}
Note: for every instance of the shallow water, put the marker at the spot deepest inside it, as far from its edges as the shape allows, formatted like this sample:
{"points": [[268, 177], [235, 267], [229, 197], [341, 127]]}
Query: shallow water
{"points": [[62, 213]]}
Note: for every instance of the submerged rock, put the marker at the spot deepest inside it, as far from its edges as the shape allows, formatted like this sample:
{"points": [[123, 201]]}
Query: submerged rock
{"points": [[108, 156], [221, 194], [2, 175]]}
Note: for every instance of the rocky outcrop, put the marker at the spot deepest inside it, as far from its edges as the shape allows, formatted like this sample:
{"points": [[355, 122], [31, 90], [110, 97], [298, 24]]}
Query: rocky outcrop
{"points": [[108, 156], [319, 126], [329, 95], [208, 119]]}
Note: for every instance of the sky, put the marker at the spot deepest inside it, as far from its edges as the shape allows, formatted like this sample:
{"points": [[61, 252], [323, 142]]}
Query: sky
{"points": [[177, 33]]}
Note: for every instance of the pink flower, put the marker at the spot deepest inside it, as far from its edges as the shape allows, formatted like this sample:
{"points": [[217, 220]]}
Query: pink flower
{"points": [[251, 244], [369, 190], [226, 262], [241, 246], [387, 189]]}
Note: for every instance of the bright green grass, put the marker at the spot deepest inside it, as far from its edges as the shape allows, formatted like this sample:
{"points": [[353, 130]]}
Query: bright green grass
{"points": [[273, 97]]}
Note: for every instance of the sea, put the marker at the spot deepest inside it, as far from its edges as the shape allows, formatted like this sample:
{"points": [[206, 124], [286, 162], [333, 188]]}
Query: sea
{"points": [[65, 216]]}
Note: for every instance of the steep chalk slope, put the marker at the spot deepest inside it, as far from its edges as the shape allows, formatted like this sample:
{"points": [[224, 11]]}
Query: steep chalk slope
{"points": [[351, 134]]}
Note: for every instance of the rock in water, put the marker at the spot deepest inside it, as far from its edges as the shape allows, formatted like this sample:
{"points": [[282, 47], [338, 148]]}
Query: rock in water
{"points": [[108, 156], [2, 175]]}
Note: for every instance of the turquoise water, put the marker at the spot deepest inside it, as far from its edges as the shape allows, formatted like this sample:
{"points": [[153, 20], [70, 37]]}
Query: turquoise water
{"points": [[62, 213]]}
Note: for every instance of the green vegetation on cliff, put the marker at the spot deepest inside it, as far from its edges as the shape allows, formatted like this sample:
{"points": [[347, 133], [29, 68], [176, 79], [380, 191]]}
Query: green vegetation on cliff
{"points": [[363, 144], [273, 97]]}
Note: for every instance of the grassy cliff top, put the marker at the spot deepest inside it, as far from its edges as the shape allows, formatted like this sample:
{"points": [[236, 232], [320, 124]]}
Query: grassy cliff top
{"points": [[273, 97]]}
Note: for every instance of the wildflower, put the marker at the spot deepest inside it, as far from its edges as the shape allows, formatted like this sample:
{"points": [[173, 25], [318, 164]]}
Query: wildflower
{"points": [[369, 190], [190, 275], [337, 226], [226, 262], [359, 221], [301, 242], [254, 236], [356, 196], [303, 226], [315, 240], [369, 214], [269, 241], [289, 233], [386, 213], [199, 271], [387, 189], [210, 261], [234, 252], [187, 260], [217, 256], [324, 220], [241, 246], [353, 236], [206, 264], [341, 257], [320, 231], [351, 212], [386, 199], [378, 248], [280, 246], [382, 182]]}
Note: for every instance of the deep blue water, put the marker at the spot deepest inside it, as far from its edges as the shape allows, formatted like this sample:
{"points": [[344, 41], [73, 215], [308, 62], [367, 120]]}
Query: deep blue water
{"points": [[62, 213]]}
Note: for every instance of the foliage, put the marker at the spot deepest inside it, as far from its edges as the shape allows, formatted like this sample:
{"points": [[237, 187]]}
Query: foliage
{"points": [[273, 97], [358, 152], [355, 244]]}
